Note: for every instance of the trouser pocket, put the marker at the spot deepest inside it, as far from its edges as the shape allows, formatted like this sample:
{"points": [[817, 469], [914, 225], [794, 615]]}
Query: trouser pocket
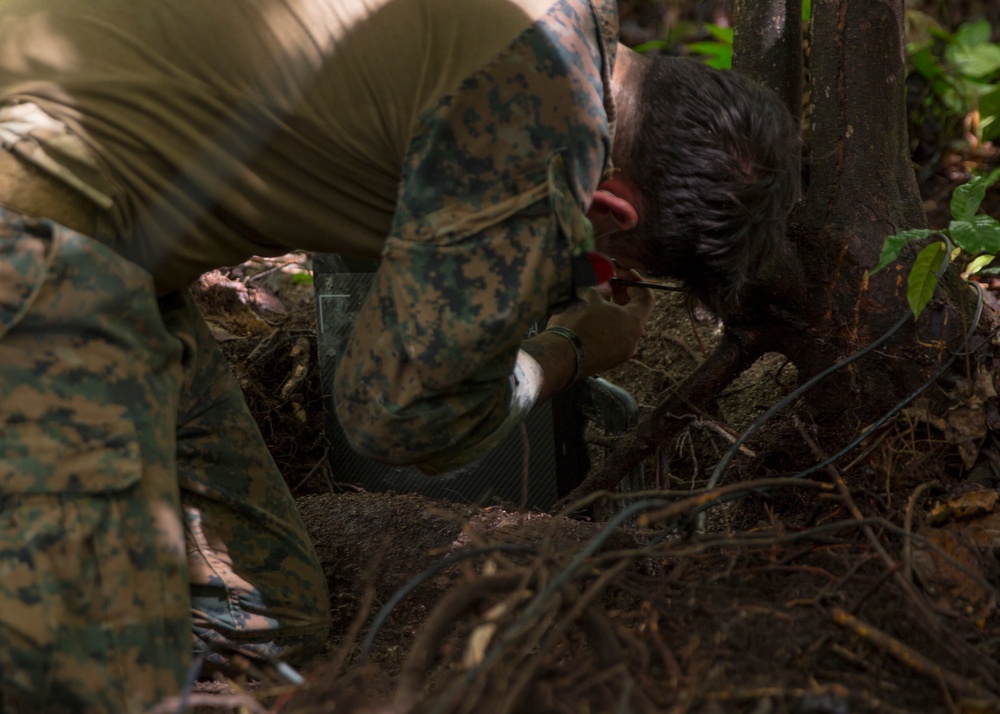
{"points": [[94, 604], [82, 621]]}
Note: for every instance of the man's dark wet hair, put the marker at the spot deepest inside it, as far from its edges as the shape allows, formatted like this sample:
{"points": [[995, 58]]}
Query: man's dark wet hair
{"points": [[715, 158]]}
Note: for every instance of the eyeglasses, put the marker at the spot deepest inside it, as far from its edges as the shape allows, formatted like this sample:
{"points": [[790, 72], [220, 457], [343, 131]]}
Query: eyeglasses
{"points": [[643, 284]]}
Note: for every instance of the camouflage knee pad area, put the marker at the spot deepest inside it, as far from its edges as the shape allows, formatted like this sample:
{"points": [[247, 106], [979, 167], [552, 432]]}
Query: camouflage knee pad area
{"points": [[95, 586]]}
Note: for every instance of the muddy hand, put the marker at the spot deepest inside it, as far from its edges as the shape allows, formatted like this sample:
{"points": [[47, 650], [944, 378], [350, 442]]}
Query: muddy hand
{"points": [[609, 323]]}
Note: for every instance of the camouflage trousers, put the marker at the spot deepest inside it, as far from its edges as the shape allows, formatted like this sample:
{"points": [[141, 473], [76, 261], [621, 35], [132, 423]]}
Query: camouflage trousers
{"points": [[138, 503]]}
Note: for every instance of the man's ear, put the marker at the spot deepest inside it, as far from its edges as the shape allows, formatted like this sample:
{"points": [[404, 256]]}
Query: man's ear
{"points": [[614, 207]]}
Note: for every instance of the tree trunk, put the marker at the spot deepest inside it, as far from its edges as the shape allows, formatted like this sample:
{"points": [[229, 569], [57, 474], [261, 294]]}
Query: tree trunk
{"points": [[767, 45], [859, 188]]}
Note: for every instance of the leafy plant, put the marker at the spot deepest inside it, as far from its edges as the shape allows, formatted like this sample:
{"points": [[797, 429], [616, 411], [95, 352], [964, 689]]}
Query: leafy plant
{"points": [[718, 52], [963, 71], [971, 237], [674, 36]]}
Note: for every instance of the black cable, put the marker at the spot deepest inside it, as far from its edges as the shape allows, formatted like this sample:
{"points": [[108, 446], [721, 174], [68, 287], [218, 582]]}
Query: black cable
{"points": [[422, 577], [728, 456], [592, 545], [666, 532], [190, 679], [526, 618], [647, 284], [788, 399], [896, 409]]}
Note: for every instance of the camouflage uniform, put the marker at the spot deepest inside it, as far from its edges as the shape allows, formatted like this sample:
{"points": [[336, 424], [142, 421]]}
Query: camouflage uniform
{"points": [[138, 500], [488, 217]]}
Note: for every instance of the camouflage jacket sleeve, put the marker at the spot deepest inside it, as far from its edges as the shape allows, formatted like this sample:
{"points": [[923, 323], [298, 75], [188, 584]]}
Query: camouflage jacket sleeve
{"points": [[490, 211]]}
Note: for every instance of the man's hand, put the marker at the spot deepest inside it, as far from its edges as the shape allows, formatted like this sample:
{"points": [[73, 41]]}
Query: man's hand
{"points": [[608, 322]]}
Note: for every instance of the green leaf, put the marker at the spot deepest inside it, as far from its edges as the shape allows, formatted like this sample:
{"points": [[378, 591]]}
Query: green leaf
{"points": [[722, 34], [894, 243], [977, 264], [989, 114], [979, 234], [978, 61], [652, 46], [975, 88], [990, 128], [966, 199], [920, 30], [716, 54], [923, 277], [970, 34], [992, 177], [951, 92], [926, 64]]}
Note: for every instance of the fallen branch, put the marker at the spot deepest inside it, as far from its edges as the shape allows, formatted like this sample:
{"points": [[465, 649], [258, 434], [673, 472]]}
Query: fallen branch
{"points": [[910, 657], [931, 621], [728, 361], [300, 354]]}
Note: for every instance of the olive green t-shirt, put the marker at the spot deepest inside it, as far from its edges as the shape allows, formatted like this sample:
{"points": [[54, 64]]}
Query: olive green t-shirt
{"points": [[227, 128]]}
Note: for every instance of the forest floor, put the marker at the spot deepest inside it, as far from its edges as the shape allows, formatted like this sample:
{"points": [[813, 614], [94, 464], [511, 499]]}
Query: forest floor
{"points": [[871, 589]]}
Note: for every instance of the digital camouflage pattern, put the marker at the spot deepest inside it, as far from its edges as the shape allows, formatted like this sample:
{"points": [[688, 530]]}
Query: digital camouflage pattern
{"points": [[115, 421], [490, 211]]}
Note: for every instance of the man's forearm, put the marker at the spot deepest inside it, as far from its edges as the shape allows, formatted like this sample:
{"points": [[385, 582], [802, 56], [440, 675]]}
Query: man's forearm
{"points": [[556, 362], [543, 367]]}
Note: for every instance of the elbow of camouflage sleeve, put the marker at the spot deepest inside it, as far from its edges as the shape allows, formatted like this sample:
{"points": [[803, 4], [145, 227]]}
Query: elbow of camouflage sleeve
{"points": [[439, 433]]}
